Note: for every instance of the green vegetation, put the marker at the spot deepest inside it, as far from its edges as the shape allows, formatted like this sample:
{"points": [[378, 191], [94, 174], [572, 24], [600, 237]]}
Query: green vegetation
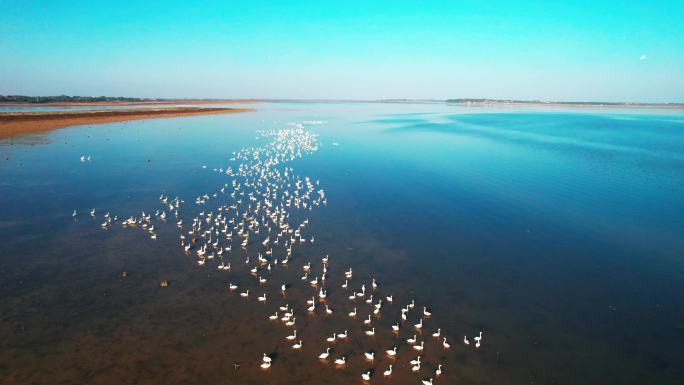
{"points": [[68, 99], [485, 101]]}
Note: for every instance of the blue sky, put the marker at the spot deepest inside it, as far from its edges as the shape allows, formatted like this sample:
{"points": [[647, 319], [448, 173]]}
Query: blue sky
{"points": [[571, 50]]}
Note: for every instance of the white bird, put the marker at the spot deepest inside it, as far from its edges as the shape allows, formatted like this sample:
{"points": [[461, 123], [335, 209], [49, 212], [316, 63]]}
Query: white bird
{"points": [[342, 335], [427, 382], [262, 298], [419, 347], [325, 355], [392, 352], [465, 340], [445, 344], [266, 358], [265, 365], [331, 339], [416, 361], [411, 340], [426, 312], [395, 327], [370, 332], [297, 345], [438, 333], [245, 294], [388, 372], [438, 372], [353, 313], [478, 338], [366, 376], [340, 361], [370, 356], [273, 316], [292, 336], [419, 325]]}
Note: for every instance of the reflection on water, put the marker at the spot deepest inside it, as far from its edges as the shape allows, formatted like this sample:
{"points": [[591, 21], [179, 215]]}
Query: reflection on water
{"points": [[556, 232]]}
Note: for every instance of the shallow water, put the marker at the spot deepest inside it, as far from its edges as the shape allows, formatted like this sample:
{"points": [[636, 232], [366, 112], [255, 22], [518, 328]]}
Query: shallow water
{"points": [[556, 231]]}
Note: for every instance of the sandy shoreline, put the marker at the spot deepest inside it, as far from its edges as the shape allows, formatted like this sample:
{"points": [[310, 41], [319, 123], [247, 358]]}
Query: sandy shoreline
{"points": [[141, 103], [21, 123]]}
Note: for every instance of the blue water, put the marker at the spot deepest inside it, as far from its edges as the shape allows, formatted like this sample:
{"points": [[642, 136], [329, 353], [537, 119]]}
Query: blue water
{"points": [[557, 231]]}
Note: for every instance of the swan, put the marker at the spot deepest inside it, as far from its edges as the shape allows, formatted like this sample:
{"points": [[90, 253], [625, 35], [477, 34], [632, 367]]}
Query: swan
{"points": [[419, 347], [411, 340], [392, 352], [445, 344], [395, 327], [478, 338], [265, 365], [370, 332], [292, 336], [416, 368], [366, 376], [245, 294], [342, 335], [367, 321], [262, 298], [370, 356], [325, 355], [426, 312], [340, 361], [438, 372], [353, 313], [415, 362], [273, 317], [266, 358], [388, 372], [331, 339], [419, 325], [465, 340], [232, 287], [297, 345], [328, 310], [426, 382], [438, 333]]}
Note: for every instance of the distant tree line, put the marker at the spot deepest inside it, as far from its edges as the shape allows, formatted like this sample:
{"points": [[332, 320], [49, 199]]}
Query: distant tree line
{"points": [[67, 99], [551, 102]]}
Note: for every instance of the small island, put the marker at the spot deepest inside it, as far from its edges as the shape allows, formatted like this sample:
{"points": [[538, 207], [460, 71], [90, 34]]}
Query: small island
{"points": [[20, 123]]}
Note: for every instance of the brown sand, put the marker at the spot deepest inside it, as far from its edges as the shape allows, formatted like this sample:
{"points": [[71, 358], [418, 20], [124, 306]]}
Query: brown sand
{"points": [[21, 123], [140, 103]]}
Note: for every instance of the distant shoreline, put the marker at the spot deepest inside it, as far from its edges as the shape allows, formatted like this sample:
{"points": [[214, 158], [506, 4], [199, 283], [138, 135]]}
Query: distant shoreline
{"points": [[22, 123], [481, 102]]}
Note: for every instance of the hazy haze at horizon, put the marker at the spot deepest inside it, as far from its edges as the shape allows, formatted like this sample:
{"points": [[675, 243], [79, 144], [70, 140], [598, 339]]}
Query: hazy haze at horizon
{"points": [[575, 51]]}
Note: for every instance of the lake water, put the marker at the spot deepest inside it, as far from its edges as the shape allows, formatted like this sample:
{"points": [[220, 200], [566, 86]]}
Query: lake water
{"points": [[558, 232]]}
